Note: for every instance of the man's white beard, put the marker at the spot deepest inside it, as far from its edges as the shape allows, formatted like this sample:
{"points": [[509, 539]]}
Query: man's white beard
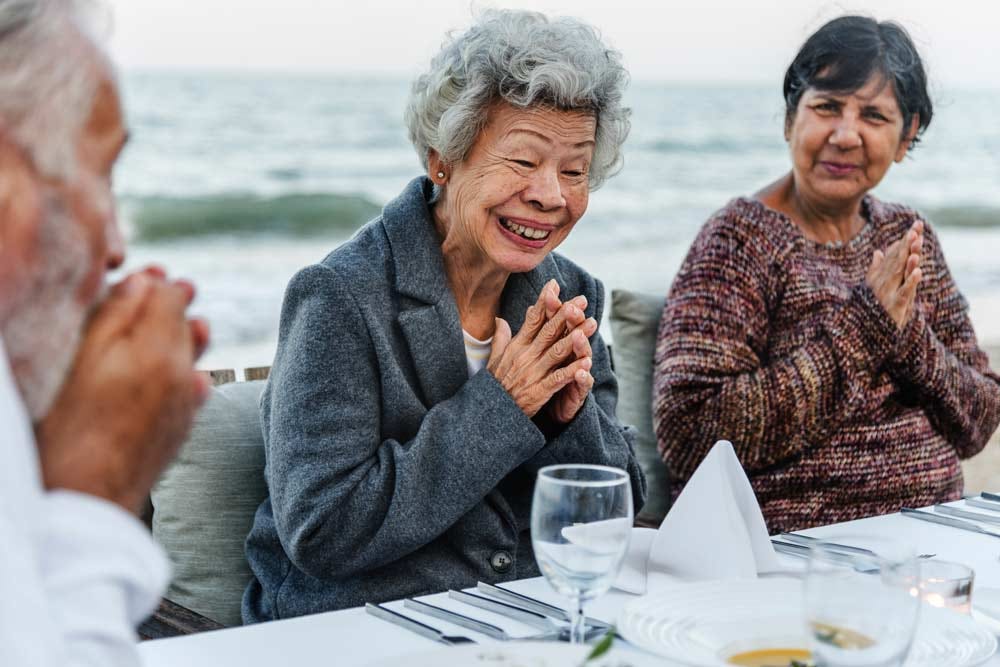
{"points": [[43, 330]]}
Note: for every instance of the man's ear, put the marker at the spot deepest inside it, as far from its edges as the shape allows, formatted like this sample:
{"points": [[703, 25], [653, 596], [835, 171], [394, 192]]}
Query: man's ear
{"points": [[20, 212]]}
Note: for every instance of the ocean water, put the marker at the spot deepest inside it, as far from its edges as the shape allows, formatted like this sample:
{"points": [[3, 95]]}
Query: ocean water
{"points": [[238, 180]]}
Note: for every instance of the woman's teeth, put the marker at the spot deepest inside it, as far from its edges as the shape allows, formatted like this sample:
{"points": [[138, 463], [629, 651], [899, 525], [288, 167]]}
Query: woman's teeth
{"points": [[521, 230]]}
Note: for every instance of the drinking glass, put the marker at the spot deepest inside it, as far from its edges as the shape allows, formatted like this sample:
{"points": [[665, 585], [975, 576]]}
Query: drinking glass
{"points": [[861, 607], [581, 522], [946, 584]]}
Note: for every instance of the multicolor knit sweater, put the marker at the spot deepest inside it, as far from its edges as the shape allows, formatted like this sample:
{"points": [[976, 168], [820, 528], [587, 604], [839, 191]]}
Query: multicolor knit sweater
{"points": [[774, 342]]}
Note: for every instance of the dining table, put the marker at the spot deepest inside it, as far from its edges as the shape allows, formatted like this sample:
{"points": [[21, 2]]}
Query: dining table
{"points": [[354, 637]]}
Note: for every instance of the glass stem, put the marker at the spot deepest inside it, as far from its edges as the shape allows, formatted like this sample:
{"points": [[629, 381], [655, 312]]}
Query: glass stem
{"points": [[577, 628]]}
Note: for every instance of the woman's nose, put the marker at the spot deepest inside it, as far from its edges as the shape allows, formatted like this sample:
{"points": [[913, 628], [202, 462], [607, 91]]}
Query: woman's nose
{"points": [[545, 190], [845, 135]]}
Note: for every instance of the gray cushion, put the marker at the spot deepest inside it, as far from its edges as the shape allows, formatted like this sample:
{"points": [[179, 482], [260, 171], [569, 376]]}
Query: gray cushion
{"points": [[634, 321], [203, 506]]}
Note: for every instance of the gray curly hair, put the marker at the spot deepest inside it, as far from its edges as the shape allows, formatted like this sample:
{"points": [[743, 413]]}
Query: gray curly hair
{"points": [[524, 59]]}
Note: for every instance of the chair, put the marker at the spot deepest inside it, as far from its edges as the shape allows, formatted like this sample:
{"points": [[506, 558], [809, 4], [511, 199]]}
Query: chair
{"points": [[635, 318], [203, 505]]}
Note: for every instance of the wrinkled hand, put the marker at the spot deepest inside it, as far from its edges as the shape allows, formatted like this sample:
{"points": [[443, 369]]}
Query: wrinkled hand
{"points": [[537, 363], [567, 401], [129, 401], [894, 275]]}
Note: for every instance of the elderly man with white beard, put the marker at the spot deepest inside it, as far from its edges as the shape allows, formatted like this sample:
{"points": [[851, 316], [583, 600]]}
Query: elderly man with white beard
{"points": [[103, 378]]}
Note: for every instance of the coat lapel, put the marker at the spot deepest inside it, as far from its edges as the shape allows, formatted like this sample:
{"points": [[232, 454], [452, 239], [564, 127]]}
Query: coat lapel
{"points": [[428, 316]]}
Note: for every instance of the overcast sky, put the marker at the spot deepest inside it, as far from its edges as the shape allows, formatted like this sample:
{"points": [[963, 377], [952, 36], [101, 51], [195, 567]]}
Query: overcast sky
{"points": [[709, 41]]}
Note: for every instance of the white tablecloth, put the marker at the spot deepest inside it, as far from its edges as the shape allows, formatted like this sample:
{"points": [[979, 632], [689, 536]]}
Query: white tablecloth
{"points": [[352, 637]]}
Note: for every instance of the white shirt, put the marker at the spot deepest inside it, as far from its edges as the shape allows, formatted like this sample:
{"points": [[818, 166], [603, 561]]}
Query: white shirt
{"points": [[477, 352], [77, 573]]}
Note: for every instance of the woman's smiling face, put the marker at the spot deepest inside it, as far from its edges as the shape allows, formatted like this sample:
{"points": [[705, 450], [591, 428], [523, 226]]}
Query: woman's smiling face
{"points": [[521, 188], [842, 144]]}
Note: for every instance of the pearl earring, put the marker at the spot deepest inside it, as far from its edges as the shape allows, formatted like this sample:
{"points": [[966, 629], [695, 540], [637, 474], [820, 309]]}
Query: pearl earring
{"points": [[440, 174]]}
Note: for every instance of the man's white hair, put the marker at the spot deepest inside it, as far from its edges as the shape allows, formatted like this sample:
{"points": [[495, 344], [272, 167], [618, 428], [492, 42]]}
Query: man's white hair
{"points": [[46, 92]]}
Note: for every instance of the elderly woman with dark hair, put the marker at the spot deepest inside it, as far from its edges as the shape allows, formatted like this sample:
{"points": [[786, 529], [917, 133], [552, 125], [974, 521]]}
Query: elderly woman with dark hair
{"points": [[819, 328], [429, 367]]}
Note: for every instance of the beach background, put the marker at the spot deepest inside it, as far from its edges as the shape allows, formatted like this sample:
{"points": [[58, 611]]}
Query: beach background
{"points": [[237, 180]]}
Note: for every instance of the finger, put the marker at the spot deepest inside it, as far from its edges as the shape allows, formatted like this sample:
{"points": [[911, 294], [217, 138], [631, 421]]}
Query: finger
{"points": [[581, 344], [912, 262], [874, 267], [155, 271], [564, 375], [164, 321], [200, 335], [501, 339], [552, 302], [202, 386], [187, 287], [123, 306], [567, 318]]}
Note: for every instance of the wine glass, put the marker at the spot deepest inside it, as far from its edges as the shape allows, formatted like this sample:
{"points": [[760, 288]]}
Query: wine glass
{"points": [[861, 606], [581, 522]]}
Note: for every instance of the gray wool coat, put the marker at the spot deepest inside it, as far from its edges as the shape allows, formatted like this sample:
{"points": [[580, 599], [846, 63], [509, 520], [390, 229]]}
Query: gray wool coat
{"points": [[391, 473]]}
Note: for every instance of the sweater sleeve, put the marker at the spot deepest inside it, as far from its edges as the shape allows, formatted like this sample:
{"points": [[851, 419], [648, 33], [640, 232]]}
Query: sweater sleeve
{"points": [[940, 361], [346, 498], [712, 377]]}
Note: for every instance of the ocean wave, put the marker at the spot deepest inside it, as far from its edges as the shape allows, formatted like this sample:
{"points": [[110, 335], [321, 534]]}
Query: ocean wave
{"points": [[167, 218], [965, 216]]}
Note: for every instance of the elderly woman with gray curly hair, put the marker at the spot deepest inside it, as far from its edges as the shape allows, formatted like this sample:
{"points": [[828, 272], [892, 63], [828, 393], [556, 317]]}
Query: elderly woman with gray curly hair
{"points": [[429, 367]]}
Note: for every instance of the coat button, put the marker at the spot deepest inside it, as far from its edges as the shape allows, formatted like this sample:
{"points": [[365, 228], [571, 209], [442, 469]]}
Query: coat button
{"points": [[501, 561]]}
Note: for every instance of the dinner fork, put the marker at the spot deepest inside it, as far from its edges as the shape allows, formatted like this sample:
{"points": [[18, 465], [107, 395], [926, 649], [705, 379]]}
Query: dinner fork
{"points": [[416, 626]]}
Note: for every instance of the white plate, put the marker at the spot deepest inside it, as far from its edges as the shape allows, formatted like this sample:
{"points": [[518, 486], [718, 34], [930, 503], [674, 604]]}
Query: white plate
{"points": [[702, 623], [519, 654]]}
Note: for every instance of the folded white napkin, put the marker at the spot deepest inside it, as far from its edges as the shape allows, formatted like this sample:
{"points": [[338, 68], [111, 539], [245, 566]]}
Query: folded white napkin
{"points": [[715, 530]]}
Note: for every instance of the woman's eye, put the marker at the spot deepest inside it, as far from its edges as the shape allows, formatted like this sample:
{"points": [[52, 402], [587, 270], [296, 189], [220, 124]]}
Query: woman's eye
{"points": [[874, 115], [572, 173], [524, 163], [826, 106]]}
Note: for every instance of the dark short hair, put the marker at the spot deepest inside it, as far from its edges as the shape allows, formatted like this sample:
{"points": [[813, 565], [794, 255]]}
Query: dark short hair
{"points": [[846, 52]]}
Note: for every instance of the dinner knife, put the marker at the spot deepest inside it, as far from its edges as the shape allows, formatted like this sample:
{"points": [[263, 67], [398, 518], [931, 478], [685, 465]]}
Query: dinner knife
{"points": [[414, 626], [510, 611], [805, 540], [983, 504], [534, 605], [963, 514], [946, 521], [990, 496], [458, 619]]}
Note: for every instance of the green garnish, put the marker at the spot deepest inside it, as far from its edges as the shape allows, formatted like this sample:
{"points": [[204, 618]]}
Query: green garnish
{"points": [[601, 647]]}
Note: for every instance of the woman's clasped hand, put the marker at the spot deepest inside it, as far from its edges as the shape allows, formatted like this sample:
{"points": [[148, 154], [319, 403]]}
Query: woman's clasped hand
{"points": [[895, 273], [547, 364]]}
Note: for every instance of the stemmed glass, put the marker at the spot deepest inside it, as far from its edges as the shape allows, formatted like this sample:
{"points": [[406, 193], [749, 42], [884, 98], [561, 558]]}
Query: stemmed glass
{"points": [[861, 606], [581, 522]]}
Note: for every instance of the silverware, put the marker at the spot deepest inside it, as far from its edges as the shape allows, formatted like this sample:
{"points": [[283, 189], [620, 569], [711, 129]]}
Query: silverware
{"points": [[805, 540], [415, 626], [525, 616], [522, 615], [853, 560], [534, 605], [963, 514], [990, 496], [946, 521], [472, 623], [983, 504]]}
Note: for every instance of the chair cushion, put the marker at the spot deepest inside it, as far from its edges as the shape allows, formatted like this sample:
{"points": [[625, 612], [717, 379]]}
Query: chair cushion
{"points": [[635, 318], [204, 504]]}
